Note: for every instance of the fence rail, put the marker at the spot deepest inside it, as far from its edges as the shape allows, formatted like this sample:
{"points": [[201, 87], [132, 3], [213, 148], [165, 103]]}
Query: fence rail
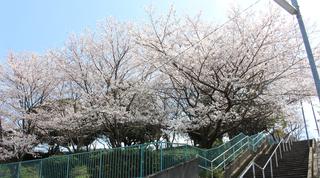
{"points": [[127, 162], [286, 146], [232, 152]]}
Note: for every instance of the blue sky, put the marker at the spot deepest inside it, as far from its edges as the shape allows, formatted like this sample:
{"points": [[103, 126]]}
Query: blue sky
{"points": [[38, 25]]}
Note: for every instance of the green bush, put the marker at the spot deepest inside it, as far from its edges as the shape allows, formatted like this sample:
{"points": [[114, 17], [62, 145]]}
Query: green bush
{"points": [[80, 172], [29, 172], [5, 172]]}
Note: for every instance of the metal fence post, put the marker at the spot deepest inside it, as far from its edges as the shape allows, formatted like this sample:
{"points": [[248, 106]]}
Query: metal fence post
{"points": [[161, 157], [276, 158], [141, 161], [233, 153], [280, 152], [224, 161], [100, 165], [211, 170], [68, 165], [253, 171], [40, 172], [185, 153], [18, 171], [271, 171]]}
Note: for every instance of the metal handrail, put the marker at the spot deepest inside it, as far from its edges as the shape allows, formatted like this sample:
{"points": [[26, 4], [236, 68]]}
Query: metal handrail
{"points": [[248, 167], [229, 156], [254, 144], [285, 146], [223, 154], [254, 140], [229, 149], [247, 141]]}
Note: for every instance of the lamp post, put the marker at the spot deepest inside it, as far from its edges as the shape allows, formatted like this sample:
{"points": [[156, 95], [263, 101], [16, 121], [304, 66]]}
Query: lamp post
{"points": [[294, 10]]}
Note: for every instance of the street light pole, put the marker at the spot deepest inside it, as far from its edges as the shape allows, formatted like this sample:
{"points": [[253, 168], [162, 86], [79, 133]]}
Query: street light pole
{"points": [[308, 48], [294, 10]]}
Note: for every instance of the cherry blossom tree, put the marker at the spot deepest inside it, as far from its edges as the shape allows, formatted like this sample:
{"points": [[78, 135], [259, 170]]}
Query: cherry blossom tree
{"points": [[109, 83], [14, 144], [27, 82], [220, 77]]}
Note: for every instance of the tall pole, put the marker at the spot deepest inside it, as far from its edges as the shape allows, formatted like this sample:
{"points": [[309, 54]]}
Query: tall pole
{"points": [[304, 119], [315, 118], [308, 48]]}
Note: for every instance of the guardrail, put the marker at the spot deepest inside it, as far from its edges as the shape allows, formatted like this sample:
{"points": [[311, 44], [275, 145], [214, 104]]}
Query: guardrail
{"points": [[124, 162], [230, 154], [134, 161], [286, 146]]}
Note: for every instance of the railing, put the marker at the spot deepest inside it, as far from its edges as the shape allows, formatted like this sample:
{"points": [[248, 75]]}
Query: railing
{"points": [[134, 161], [231, 153], [286, 146], [225, 156]]}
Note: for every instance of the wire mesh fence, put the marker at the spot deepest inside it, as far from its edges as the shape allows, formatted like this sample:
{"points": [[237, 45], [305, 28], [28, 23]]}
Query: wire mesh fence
{"points": [[124, 162], [128, 162]]}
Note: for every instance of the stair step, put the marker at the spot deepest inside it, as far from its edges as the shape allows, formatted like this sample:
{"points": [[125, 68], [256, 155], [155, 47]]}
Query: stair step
{"points": [[294, 163]]}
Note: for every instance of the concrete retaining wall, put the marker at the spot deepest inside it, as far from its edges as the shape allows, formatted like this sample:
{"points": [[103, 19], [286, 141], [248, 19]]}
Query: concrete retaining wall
{"points": [[189, 169]]}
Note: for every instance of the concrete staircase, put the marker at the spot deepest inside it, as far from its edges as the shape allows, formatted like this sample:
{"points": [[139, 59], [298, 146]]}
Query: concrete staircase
{"points": [[294, 163]]}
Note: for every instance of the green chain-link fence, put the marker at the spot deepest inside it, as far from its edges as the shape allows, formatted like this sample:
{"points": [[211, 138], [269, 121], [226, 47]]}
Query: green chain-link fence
{"points": [[128, 162]]}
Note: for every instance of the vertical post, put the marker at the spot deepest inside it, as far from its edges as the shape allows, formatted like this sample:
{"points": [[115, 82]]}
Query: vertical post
{"points": [[100, 164], [307, 47], [304, 119], [315, 118], [286, 146], [185, 153], [161, 157], [40, 172], [68, 165], [280, 151], [289, 146], [141, 161], [233, 153], [271, 171], [18, 171], [276, 158], [253, 171], [224, 161], [211, 168]]}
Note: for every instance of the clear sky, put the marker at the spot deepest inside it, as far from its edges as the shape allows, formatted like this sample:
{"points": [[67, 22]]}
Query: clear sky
{"points": [[37, 25]]}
